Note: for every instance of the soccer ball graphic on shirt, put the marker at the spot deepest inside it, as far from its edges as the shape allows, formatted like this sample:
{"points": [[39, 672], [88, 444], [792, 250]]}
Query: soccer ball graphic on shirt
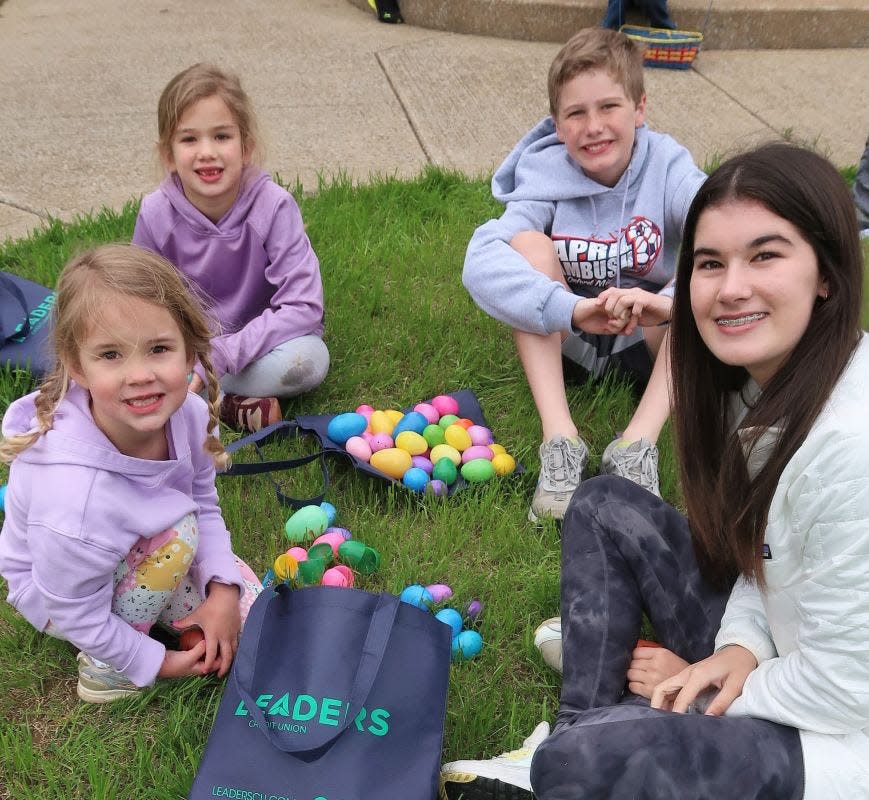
{"points": [[644, 238]]}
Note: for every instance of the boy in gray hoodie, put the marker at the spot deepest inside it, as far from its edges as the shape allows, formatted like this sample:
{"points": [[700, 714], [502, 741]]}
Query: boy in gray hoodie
{"points": [[580, 263]]}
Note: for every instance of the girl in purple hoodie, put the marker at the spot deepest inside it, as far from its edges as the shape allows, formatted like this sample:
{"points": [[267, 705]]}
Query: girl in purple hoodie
{"points": [[112, 522], [239, 237]]}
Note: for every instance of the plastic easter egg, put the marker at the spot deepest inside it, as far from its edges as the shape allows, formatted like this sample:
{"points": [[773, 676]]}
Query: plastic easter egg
{"points": [[414, 421], [311, 571], [365, 410], [358, 448], [380, 441], [381, 423], [437, 488], [476, 451], [298, 553], [360, 556], [466, 645], [421, 462], [465, 422], [392, 462], [190, 638], [333, 539], [478, 470], [444, 470], [415, 479], [3, 497], [473, 611], [338, 576], [331, 511], [445, 451], [342, 532], [307, 521], [456, 436], [451, 617], [286, 567], [416, 595], [412, 442], [445, 404], [433, 435], [368, 436], [321, 551], [428, 411], [268, 578], [504, 464], [343, 426], [439, 591], [448, 419], [394, 415], [480, 434], [497, 449]]}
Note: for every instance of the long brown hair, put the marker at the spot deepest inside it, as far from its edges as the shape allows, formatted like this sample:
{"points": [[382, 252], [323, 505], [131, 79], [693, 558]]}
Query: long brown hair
{"points": [[727, 507]]}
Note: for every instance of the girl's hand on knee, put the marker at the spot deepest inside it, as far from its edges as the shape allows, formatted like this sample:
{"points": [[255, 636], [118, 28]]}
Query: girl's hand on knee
{"points": [[183, 663], [726, 670], [650, 666]]}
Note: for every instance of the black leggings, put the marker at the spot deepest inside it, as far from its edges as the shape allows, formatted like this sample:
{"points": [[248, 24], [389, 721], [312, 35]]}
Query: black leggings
{"points": [[625, 552]]}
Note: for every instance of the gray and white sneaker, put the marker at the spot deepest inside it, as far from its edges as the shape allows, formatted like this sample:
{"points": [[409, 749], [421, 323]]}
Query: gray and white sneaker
{"points": [[100, 683], [547, 639], [505, 777], [638, 462], [562, 463]]}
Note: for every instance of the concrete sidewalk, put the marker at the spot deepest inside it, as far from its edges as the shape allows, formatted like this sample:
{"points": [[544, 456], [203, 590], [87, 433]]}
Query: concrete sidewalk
{"points": [[337, 91]]}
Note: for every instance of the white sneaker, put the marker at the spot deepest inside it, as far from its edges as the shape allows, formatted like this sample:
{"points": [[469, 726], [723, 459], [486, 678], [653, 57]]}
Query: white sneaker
{"points": [[637, 461], [506, 777], [99, 683], [547, 639]]}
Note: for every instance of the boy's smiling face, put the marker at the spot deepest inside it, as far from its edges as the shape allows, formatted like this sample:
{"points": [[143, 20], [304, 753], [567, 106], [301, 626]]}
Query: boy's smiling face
{"points": [[597, 122]]}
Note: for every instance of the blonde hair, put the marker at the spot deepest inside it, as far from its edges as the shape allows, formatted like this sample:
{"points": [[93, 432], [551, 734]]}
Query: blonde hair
{"points": [[598, 48], [81, 292], [197, 83]]}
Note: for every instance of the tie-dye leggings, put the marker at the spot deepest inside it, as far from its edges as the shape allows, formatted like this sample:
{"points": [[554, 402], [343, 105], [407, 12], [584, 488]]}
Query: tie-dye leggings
{"points": [[625, 552]]}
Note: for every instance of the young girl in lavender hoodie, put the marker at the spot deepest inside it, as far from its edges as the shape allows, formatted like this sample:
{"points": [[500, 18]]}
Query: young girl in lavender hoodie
{"points": [[239, 237], [112, 522]]}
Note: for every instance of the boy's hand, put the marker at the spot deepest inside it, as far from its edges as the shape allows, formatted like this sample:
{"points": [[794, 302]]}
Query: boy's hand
{"points": [[636, 307], [590, 316], [220, 620]]}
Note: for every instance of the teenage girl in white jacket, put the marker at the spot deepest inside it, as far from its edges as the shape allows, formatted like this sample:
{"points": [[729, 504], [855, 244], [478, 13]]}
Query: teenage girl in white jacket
{"points": [[762, 604]]}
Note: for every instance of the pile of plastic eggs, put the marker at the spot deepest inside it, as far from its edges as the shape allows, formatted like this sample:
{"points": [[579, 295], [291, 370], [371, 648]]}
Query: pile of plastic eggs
{"points": [[321, 554], [467, 642], [426, 449]]}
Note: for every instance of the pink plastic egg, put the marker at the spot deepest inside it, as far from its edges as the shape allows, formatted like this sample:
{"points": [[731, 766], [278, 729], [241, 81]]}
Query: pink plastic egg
{"points": [[358, 448], [444, 404], [365, 410], [477, 451], [368, 436], [338, 576], [428, 411], [299, 553], [480, 434], [334, 540], [380, 441], [439, 591]]}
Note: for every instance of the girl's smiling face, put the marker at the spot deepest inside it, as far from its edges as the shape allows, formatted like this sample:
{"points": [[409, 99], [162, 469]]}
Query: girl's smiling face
{"points": [[754, 283]]}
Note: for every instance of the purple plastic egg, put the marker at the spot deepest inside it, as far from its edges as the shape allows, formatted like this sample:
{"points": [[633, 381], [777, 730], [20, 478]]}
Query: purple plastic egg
{"points": [[473, 610], [480, 434], [439, 591], [477, 451], [343, 532], [438, 488], [428, 411], [422, 463], [380, 441]]}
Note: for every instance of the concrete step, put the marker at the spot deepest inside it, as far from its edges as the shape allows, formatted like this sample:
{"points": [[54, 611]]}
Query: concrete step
{"points": [[726, 24]]}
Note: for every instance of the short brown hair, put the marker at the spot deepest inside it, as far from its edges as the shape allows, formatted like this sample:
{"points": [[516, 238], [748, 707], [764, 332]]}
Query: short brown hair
{"points": [[598, 48]]}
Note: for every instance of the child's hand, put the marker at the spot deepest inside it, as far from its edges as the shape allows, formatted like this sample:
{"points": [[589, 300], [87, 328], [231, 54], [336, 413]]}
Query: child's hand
{"points": [[220, 620], [195, 384], [650, 666], [183, 663], [635, 307]]}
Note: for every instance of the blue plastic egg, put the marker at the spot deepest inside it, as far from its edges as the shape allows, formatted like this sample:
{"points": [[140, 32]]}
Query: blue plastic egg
{"points": [[343, 426], [415, 479], [451, 617], [416, 595], [3, 497], [412, 421], [331, 511], [466, 645]]}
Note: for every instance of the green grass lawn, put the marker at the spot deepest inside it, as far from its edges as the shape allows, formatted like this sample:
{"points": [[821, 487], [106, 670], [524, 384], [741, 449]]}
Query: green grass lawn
{"points": [[400, 328]]}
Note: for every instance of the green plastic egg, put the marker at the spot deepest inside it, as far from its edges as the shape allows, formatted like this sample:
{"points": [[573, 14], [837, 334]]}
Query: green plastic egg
{"points": [[307, 521], [433, 434], [447, 419], [445, 471], [478, 470]]}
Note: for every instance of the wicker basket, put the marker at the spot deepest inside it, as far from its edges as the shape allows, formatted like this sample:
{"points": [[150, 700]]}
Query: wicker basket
{"points": [[665, 48]]}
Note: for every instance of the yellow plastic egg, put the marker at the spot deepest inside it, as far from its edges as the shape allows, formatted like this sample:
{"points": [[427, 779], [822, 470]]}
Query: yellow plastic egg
{"points": [[497, 449], [458, 437], [394, 415], [392, 461], [503, 463], [445, 451], [380, 422], [412, 442], [285, 567]]}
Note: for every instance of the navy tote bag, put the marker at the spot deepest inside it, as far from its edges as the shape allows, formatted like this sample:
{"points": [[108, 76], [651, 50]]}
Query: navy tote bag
{"points": [[335, 694]]}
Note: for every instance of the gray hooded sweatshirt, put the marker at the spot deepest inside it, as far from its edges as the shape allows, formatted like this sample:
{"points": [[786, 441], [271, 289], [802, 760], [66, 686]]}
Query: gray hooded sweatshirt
{"points": [[626, 235]]}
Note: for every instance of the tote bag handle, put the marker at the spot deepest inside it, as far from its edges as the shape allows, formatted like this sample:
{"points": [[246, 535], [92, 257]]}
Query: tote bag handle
{"points": [[373, 650], [9, 287]]}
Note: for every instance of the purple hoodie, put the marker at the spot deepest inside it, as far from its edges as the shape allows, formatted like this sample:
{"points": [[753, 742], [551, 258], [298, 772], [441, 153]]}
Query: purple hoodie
{"points": [[76, 506], [255, 267]]}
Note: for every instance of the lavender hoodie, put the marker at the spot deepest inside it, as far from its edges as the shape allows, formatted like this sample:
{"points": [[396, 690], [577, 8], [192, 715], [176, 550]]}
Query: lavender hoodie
{"points": [[255, 266], [76, 506]]}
